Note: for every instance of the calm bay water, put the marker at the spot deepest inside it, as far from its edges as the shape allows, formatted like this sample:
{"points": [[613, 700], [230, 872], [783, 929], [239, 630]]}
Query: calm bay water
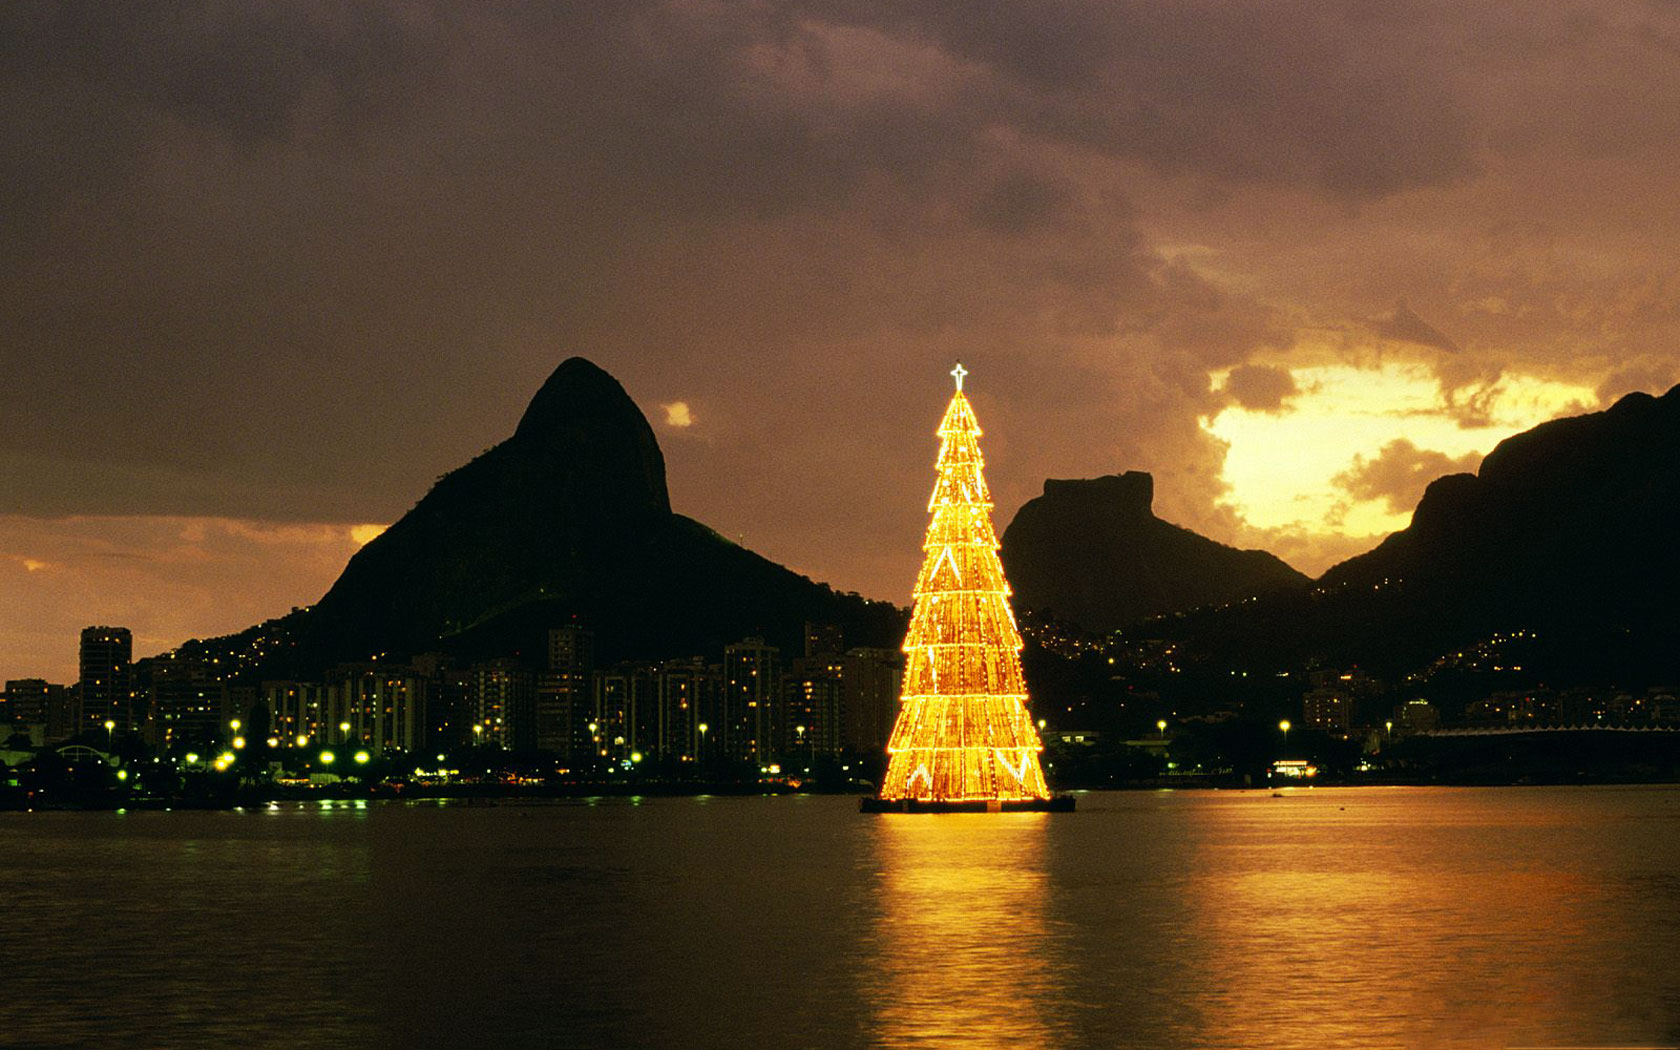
{"points": [[1402, 917]]}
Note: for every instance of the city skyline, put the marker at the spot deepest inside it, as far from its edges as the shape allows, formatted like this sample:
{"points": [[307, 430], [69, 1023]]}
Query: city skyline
{"points": [[253, 309]]}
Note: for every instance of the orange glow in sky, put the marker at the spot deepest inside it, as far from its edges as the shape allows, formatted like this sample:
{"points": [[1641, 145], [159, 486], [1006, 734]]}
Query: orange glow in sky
{"points": [[1288, 469]]}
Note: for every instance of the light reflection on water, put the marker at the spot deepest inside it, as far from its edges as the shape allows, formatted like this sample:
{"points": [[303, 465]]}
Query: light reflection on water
{"points": [[962, 949], [1476, 919], [1366, 918]]}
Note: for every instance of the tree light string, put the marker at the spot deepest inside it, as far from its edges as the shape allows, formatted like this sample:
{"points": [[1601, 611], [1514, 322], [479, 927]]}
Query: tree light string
{"points": [[963, 732]]}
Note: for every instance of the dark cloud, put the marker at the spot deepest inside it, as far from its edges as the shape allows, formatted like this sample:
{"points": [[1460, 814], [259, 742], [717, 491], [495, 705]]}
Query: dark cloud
{"points": [[1399, 473], [1355, 102], [332, 253], [1260, 388], [291, 261]]}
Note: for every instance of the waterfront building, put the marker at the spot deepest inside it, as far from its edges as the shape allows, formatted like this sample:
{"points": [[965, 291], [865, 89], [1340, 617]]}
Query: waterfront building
{"points": [[187, 702], [752, 690], [106, 693], [381, 706], [298, 709], [870, 680], [814, 708], [501, 703], [1327, 708], [1417, 716], [690, 696], [823, 639], [625, 713], [44, 711], [448, 707], [565, 693]]}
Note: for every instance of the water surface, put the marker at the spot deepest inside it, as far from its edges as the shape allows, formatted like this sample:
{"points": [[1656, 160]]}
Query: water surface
{"points": [[1373, 917]]}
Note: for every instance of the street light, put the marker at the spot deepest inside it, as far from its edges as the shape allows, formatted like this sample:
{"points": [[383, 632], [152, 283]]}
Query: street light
{"points": [[1284, 725], [1161, 726], [327, 758], [344, 731], [110, 734]]}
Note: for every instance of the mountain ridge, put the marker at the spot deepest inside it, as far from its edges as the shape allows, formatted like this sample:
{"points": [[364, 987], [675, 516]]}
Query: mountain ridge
{"points": [[568, 520], [1093, 551]]}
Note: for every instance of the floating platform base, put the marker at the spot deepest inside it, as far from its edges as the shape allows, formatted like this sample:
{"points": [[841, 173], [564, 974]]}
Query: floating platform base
{"points": [[1053, 804]]}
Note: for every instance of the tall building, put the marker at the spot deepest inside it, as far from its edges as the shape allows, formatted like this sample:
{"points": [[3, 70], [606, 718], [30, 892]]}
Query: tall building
{"points": [[823, 639], [106, 694], [298, 709], [383, 706], [43, 710], [751, 694], [813, 709], [565, 693], [501, 700], [1327, 708], [449, 709], [690, 697], [190, 705], [871, 680], [1417, 716], [626, 713]]}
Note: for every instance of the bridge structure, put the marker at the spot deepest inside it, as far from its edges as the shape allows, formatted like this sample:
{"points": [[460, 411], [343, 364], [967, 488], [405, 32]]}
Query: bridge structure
{"points": [[1467, 731]]}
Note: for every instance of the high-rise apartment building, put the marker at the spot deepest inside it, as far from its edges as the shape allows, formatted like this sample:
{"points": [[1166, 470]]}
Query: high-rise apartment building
{"points": [[814, 709], [625, 713], [823, 639], [501, 699], [690, 697], [106, 691], [43, 710], [565, 694], [872, 680], [189, 703], [1327, 708], [751, 696], [297, 710]]}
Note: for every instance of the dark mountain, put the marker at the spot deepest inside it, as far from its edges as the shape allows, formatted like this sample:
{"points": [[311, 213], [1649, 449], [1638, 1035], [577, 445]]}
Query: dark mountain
{"points": [[1577, 517], [1568, 530], [1095, 553], [566, 521]]}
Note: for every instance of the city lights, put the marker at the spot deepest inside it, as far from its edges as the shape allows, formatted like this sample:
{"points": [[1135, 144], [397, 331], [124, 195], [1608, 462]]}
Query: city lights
{"points": [[963, 733]]}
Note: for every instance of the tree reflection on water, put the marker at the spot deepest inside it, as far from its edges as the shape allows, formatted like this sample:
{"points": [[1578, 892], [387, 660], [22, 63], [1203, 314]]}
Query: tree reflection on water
{"points": [[962, 949]]}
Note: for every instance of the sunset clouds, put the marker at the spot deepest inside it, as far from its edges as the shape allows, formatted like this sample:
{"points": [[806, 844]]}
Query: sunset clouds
{"points": [[289, 262]]}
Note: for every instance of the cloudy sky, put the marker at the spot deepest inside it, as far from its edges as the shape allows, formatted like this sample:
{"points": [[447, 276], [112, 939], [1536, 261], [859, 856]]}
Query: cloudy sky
{"points": [[268, 269]]}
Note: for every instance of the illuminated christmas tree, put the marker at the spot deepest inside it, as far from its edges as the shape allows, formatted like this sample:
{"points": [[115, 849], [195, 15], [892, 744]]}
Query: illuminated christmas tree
{"points": [[963, 733]]}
